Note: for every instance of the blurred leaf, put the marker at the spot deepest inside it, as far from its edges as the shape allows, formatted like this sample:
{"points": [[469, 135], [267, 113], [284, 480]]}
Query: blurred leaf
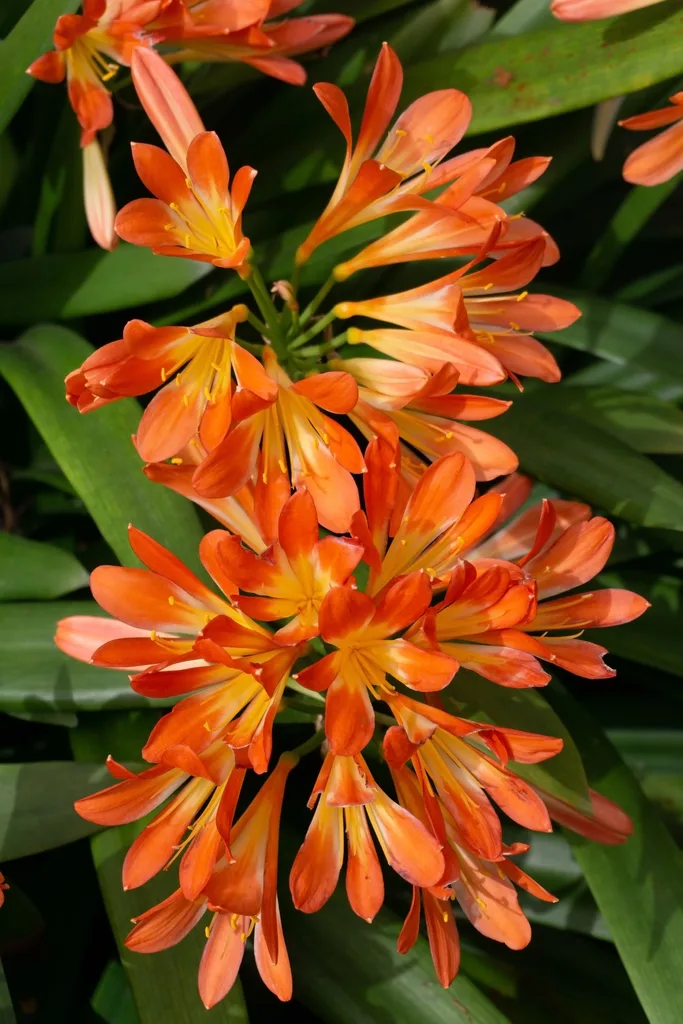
{"points": [[62, 286], [664, 285], [9, 167], [36, 805], [655, 639], [34, 570], [642, 421], [164, 984], [36, 677], [60, 216], [523, 16], [527, 709], [650, 751], [30, 37], [6, 1009], [440, 26], [347, 971], [96, 454], [638, 886], [112, 999], [626, 378], [623, 335], [630, 218], [575, 912], [588, 463], [563, 67]]}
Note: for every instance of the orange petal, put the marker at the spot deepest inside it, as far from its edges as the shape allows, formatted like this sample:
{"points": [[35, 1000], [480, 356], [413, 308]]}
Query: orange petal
{"points": [[409, 848], [276, 976], [316, 867], [364, 882], [131, 799], [343, 612], [417, 668], [146, 600], [442, 933], [576, 557], [165, 924], [100, 206], [335, 391], [587, 611], [80, 636], [221, 958], [349, 718], [166, 102]]}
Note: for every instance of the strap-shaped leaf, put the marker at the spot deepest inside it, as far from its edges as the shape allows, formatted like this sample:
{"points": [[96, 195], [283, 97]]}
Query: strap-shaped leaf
{"points": [[31, 569]]}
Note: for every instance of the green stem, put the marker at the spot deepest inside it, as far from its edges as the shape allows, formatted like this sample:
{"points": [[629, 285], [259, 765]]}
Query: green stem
{"points": [[321, 324], [268, 311], [315, 351], [315, 302], [258, 324], [311, 744]]}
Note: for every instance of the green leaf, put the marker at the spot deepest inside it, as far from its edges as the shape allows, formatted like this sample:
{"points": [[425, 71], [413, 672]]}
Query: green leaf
{"points": [[523, 16], [37, 678], [664, 285], [650, 751], [641, 421], [164, 984], [440, 26], [527, 709], [631, 217], [62, 286], [6, 1009], [637, 886], [655, 638], [564, 67], [346, 970], [36, 805], [623, 335], [32, 569], [31, 36], [112, 999], [96, 454], [588, 463]]}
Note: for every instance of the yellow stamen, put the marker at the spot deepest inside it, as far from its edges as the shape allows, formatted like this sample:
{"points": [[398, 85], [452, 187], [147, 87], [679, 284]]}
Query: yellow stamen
{"points": [[522, 296], [176, 461]]}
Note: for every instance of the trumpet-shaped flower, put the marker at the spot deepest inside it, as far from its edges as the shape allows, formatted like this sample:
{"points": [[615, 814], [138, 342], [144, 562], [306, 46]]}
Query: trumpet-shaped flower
{"points": [[410, 403], [447, 317], [293, 577], [348, 798], [379, 179], [661, 157], [594, 10], [196, 367], [234, 670], [89, 48], [322, 454], [203, 791], [242, 893], [363, 631]]}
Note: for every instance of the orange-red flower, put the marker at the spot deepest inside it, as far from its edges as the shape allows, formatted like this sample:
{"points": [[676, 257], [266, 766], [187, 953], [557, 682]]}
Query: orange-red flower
{"points": [[464, 777], [203, 790], [350, 800], [483, 888], [223, 31], [445, 318], [201, 400], [322, 454], [98, 197], [594, 10], [293, 577], [364, 631], [661, 157], [556, 547], [402, 401], [379, 179], [234, 670], [242, 892], [88, 50]]}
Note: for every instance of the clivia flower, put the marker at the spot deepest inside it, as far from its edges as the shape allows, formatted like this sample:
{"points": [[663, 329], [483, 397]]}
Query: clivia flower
{"points": [[594, 10], [659, 159], [241, 892], [349, 801]]}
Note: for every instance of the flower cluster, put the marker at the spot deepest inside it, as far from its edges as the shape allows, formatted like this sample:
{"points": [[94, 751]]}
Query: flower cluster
{"points": [[92, 46], [417, 574]]}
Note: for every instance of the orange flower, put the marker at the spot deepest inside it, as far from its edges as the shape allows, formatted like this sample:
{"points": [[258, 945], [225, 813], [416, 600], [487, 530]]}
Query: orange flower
{"points": [[88, 50], [446, 317], [483, 888], [243, 895], [322, 455], [557, 547], [362, 629], [197, 213], [203, 791], [594, 10], [660, 158], [222, 31], [100, 207], [201, 400], [465, 778], [294, 576], [408, 402], [234, 669], [348, 797], [3, 888], [373, 186]]}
